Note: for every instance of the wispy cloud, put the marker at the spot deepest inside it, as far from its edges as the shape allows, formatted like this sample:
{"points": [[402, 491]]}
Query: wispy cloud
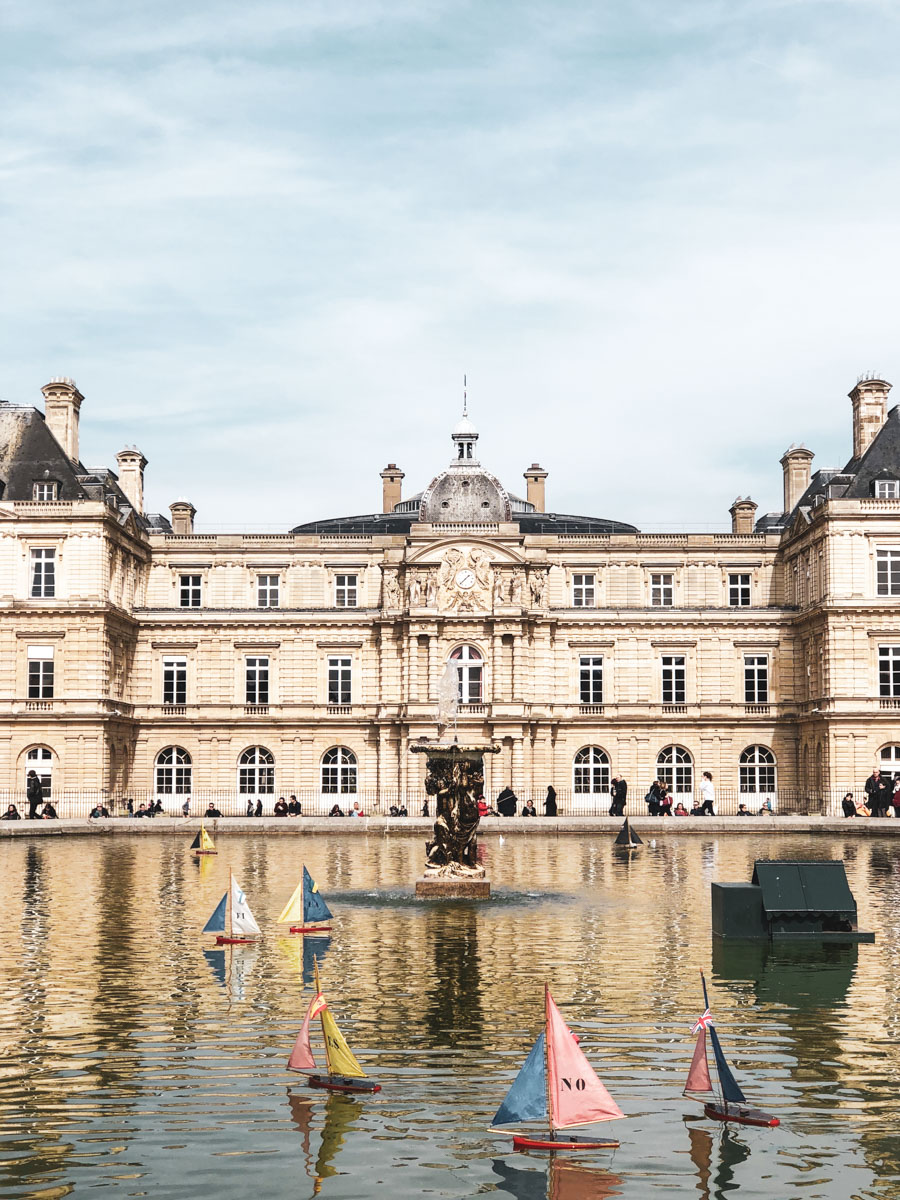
{"points": [[661, 240]]}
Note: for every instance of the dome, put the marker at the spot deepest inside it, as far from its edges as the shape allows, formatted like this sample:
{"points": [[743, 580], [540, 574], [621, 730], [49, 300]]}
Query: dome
{"points": [[465, 428], [465, 494]]}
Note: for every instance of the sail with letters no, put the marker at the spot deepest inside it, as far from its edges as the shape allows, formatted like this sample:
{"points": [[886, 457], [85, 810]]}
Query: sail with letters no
{"points": [[306, 907], [344, 1072], [732, 1104], [557, 1086]]}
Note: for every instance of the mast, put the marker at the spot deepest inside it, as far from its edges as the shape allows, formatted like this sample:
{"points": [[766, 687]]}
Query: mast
{"points": [[229, 907], [718, 1077], [322, 1016], [547, 1056]]}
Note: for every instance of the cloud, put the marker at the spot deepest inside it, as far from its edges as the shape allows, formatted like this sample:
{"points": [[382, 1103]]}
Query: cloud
{"points": [[661, 241]]}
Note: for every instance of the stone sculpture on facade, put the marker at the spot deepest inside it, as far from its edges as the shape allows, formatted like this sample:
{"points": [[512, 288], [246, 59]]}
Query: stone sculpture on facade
{"points": [[464, 581]]}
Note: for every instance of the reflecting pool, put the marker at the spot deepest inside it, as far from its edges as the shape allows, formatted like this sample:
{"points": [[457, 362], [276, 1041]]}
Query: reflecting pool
{"points": [[138, 1059]]}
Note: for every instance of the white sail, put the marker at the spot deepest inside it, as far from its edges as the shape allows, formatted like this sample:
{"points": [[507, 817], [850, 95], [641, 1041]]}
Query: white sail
{"points": [[242, 919]]}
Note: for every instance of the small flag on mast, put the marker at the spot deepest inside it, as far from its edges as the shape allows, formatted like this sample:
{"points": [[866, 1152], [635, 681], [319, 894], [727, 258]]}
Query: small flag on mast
{"points": [[702, 1022]]}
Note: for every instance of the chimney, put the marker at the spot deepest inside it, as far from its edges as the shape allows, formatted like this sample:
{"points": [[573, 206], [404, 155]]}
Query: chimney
{"points": [[795, 464], [183, 513], [392, 478], [131, 476], [869, 399], [743, 515], [534, 477], [62, 404]]}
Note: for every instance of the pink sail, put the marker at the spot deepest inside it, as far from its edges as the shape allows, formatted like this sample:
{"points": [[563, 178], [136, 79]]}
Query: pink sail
{"points": [[699, 1084], [302, 1056], [577, 1097]]}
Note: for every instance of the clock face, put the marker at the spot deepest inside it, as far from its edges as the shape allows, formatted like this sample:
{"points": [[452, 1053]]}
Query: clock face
{"points": [[465, 578]]}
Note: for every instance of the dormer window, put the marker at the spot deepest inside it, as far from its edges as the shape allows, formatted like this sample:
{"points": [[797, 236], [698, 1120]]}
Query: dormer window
{"points": [[887, 489], [45, 490]]}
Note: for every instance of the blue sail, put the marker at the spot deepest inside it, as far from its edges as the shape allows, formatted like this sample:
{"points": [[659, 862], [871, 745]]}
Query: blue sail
{"points": [[730, 1091], [216, 923], [314, 907], [526, 1100]]}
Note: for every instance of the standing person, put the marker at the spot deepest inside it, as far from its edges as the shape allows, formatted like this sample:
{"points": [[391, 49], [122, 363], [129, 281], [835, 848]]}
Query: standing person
{"points": [[708, 793], [186, 807], [877, 792], [257, 812], [34, 794], [250, 807], [550, 802], [506, 802], [895, 798], [665, 801], [619, 792], [652, 798]]}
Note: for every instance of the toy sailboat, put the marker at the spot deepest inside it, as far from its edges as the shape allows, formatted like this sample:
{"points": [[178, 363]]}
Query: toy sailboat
{"points": [[732, 1105], [627, 837], [556, 1085], [306, 906], [344, 1072], [203, 843], [233, 922]]}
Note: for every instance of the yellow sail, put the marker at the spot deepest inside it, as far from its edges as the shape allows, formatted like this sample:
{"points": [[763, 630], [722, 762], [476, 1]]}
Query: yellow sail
{"points": [[206, 842], [293, 910], [339, 1055]]}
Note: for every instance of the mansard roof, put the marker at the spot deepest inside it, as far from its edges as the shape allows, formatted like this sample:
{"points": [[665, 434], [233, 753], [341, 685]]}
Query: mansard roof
{"points": [[533, 522]]}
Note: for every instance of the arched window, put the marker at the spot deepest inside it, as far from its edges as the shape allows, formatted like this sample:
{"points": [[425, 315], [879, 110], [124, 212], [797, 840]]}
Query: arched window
{"points": [[590, 772], [40, 759], [173, 772], [339, 771], [757, 770], [469, 668], [675, 767], [256, 772]]}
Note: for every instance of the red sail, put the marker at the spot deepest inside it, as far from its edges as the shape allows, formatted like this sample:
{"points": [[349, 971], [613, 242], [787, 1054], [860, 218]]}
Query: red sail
{"points": [[577, 1097], [302, 1056], [699, 1084]]}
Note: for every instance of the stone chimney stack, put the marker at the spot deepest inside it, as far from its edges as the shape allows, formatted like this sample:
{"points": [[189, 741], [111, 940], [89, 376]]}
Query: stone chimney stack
{"points": [[131, 476], [743, 515], [183, 513], [62, 405], [392, 480], [534, 477], [869, 399], [795, 464]]}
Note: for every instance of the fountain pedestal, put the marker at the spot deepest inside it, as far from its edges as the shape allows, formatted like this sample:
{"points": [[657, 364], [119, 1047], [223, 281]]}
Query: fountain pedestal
{"points": [[455, 780]]}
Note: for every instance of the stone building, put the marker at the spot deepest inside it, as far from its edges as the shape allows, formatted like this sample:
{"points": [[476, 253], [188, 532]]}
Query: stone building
{"points": [[140, 658]]}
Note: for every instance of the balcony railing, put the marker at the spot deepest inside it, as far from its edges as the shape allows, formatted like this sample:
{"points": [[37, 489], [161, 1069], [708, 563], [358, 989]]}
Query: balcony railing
{"points": [[590, 710], [756, 710]]}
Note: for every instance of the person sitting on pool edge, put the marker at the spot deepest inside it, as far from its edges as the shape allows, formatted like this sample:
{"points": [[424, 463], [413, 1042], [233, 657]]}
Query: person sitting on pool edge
{"points": [[847, 805], [680, 810], [336, 811], [98, 811], [49, 812], [212, 811], [294, 809], [528, 809], [744, 811], [11, 814], [281, 808]]}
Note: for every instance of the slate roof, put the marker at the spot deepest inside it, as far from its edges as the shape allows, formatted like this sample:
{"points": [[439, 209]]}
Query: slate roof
{"points": [[399, 523]]}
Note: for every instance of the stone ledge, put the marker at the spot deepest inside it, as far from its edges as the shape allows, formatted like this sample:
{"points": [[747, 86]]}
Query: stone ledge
{"points": [[439, 887]]}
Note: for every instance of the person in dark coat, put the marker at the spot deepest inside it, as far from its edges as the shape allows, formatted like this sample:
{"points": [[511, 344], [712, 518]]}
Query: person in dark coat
{"points": [[652, 798], [506, 802], [49, 813], [258, 810], [550, 802], [294, 809], [528, 809], [618, 790], [34, 793], [11, 814], [280, 809], [250, 807], [879, 790], [847, 805], [895, 797], [212, 811]]}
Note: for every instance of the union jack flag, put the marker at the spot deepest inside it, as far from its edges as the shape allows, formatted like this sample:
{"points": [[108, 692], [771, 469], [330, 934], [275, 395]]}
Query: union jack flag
{"points": [[703, 1022]]}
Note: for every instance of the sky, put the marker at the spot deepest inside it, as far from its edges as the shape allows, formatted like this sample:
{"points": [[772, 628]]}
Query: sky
{"points": [[660, 238]]}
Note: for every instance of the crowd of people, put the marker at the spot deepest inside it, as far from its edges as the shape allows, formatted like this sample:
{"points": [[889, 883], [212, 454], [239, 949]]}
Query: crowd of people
{"points": [[881, 794]]}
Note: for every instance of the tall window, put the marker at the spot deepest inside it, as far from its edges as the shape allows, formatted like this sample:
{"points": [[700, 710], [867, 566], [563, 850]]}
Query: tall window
{"points": [[257, 681], [889, 760], [756, 679], [40, 759], [190, 591], [887, 489], [590, 772], [345, 591], [675, 767], [673, 674], [662, 591], [256, 772], [174, 681], [339, 771], [889, 670], [267, 591], [591, 679], [40, 672], [43, 491], [173, 772], [739, 591], [43, 574], [757, 769], [887, 564], [469, 670], [583, 591], [339, 679]]}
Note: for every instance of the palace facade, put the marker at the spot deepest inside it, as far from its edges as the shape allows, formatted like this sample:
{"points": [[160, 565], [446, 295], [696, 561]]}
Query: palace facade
{"points": [[143, 659]]}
